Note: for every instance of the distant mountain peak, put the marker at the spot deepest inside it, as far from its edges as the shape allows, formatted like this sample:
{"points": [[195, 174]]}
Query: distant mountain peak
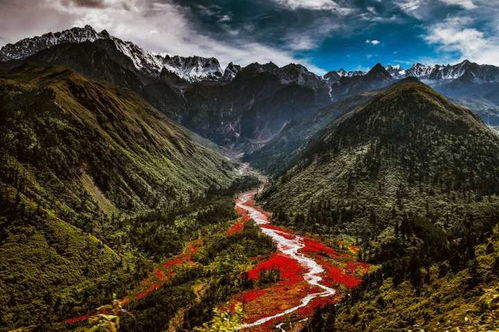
{"points": [[29, 46], [231, 71], [378, 72], [334, 76], [191, 69]]}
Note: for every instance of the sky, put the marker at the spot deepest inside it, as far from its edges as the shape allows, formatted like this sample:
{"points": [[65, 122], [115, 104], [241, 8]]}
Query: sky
{"points": [[323, 35]]}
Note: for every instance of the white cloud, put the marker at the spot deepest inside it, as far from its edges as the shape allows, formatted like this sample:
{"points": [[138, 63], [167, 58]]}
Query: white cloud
{"points": [[224, 18], [467, 4], [314, 5], [409, 6], [156, 25], [455, 34], [312, 38], [373, 41], [301, 42]]}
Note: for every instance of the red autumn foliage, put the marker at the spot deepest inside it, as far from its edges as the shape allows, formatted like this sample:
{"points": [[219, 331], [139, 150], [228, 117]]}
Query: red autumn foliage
{"points": [[252, 295], [312, 246], [289, 269], [236, 228], [151, 282], [336, 275], [148, 291], [85, 317], [353, 266], [160, 275]]}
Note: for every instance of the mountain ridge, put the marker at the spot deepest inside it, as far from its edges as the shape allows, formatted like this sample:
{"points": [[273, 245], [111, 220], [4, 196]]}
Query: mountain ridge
{"points": [[391, 144], [168, 83], [194, 68]]}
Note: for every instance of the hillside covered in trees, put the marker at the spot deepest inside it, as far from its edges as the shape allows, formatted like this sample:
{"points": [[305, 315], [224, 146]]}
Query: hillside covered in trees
{"points": [[415, 179], [94, 181]]}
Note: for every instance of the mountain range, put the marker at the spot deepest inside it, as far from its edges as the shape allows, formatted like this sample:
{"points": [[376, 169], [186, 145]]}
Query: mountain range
{"points": [[119, 170], [164, 80], [200, 69]]}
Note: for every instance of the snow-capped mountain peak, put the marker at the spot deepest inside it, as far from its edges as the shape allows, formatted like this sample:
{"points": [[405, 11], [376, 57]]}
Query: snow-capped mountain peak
{"points": [[335, 75], [231, 71], [188, 68], [193, 68], [396, 71], [343, 73], [29, 46], [435, 73]]}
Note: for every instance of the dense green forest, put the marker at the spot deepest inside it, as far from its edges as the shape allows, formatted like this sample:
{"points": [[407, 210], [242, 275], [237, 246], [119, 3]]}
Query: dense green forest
{"points": [[415, 179], [455, 294], [96, 187], [408, 153]]}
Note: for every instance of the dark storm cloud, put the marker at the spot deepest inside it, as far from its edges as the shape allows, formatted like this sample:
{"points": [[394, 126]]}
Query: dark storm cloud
{"points": [[87, 3]]}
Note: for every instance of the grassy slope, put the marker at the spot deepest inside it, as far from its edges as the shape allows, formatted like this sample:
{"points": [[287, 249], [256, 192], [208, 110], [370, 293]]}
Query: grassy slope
{"points": [[76, 157], [127, 148]]}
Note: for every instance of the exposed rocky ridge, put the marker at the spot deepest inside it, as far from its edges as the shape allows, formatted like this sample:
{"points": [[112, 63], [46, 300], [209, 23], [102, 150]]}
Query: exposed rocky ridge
{"points": [[191, 69]]}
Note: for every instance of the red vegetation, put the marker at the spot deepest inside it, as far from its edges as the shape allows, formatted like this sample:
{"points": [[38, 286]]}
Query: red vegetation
{"points": [[148, 291], [239, 225], [236, 228], [252, 295], [78, 319], [166, 272], [292, 288], [289, 269], [353, 266], [240, 211], [159, 274], [354, 249], [158, 278], [312, 246], [336, 275]]}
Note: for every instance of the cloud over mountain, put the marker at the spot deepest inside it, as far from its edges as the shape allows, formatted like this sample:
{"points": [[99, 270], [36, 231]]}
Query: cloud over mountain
{"points": [[316, 33]]}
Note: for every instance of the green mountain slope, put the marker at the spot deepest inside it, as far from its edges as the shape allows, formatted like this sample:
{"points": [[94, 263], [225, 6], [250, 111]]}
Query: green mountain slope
{"points": [[414, 179], [446, 297], [287, 145], [78, 134], [409, 150], [76, 158]]}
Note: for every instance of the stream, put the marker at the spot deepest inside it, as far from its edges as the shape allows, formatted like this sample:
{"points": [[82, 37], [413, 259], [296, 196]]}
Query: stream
{"points": [[289, 247]]}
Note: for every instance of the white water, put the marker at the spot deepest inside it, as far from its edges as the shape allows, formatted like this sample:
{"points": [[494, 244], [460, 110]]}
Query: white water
{"points": [[290, 248]]}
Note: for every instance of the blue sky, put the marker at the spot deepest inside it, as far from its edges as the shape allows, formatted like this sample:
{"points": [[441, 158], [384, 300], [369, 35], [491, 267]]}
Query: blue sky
{"points": [[321, 34]]}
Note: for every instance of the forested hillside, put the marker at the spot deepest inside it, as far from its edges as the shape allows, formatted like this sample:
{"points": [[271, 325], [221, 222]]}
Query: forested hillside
{"points": [[93, 179], [407, 152], [415, 179]]}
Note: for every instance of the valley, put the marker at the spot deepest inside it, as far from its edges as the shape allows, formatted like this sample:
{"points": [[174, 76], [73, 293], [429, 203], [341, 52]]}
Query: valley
{"points": [[156, 192], [287, 284]]}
